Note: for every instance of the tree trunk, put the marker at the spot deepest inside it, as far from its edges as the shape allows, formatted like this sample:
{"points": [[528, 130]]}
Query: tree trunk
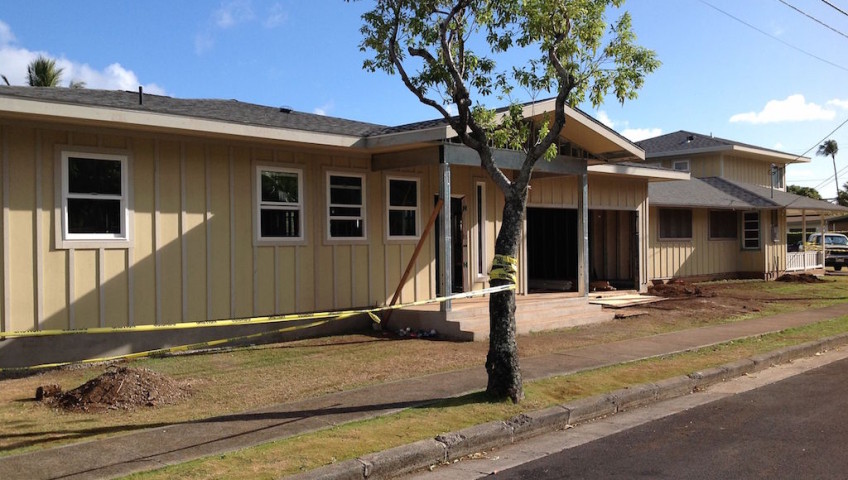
{"points": [[502, 359]]}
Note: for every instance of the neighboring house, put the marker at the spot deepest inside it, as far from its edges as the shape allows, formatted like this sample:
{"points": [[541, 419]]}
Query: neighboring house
{"points": [[729, 220], [123, 208], [838, 224]]}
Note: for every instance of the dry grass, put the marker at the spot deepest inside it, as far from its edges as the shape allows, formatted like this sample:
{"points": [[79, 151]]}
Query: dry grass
{"points": [[311, 451], [244, 379]]}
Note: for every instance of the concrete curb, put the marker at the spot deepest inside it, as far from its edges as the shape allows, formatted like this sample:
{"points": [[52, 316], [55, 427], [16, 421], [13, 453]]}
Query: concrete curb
{"points": [[454, 445]]}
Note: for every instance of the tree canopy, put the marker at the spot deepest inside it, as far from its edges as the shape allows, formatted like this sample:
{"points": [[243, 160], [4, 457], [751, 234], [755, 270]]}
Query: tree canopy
{"points": [[42, 72], [457, 56], [804, 191]]}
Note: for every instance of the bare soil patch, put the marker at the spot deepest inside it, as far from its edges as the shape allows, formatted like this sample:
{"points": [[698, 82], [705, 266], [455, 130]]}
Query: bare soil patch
{"points": [[676, 289], [124, 388], [799, 278]]}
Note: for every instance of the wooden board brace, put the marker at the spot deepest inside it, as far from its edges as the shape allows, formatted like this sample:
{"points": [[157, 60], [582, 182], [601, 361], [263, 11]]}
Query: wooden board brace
{"points": [[405, 277]]}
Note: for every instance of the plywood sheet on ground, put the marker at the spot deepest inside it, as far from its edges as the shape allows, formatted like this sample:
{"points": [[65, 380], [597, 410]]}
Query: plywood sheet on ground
{"points": [[621, 301]]}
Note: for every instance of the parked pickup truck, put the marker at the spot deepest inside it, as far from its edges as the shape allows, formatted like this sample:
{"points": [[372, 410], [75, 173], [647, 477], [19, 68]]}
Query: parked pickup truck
{"points": [[836, 248]]}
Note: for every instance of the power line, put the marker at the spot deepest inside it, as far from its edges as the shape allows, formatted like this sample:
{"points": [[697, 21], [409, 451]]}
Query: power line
{"points": [[793, 7], [773, 37], [809, 150], [843, 12]]}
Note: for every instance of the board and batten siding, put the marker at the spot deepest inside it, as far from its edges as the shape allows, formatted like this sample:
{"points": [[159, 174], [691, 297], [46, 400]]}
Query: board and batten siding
{"points": [[748, 171], [192, 254], [605, 193], [702, 256]]}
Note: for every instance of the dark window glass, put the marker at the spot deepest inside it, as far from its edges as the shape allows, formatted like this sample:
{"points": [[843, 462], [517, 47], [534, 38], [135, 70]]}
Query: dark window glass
{"points": [[723, 224], [90, 176], [94, 216], [675, 223], [402, 223], [403, 193], [345, 190], [345, 211], [751, 227], [280, 223], [279, 187], [481, 226], [346, 228]]}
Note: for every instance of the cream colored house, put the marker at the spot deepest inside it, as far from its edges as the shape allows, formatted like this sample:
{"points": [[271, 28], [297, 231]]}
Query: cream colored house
{"points": [[729, 220], [124, 209]]}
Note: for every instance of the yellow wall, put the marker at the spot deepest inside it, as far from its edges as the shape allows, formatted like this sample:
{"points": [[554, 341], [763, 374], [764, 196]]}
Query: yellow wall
{"points": [[702, 256], [193, 255], [735, 168]]}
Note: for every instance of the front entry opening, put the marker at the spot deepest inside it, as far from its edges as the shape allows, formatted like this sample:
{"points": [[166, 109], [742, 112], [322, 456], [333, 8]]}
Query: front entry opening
{"points": [[457, 250], [551, 250], [613, 248]]}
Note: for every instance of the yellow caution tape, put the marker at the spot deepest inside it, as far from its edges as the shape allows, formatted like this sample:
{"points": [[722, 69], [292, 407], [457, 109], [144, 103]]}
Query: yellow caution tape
{"points": [[326, 317], [504, 267], [338, 314]]}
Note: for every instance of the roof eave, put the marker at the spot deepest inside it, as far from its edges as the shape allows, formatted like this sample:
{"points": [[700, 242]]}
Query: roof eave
{"points": [[109, 116], [652, 174]]}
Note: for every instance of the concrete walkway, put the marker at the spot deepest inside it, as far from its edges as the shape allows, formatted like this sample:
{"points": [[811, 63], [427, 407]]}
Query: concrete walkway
{"points": [[172, 444]]}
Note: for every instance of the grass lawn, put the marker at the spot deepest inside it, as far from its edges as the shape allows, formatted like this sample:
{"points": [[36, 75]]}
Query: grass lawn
{"points": [[243, 379]]}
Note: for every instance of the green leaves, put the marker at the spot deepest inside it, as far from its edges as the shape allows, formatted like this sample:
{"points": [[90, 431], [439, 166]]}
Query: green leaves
{"points": [[466, 52]]}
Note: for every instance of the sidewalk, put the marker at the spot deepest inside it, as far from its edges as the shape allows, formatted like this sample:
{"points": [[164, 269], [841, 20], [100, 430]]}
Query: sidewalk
{"points": [[179, 443]]}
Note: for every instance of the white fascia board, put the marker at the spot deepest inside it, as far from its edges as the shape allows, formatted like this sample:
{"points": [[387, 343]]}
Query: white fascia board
{"points": [[546, 106], [161, 121], [632, 171], [437, 133], [779, 157]]}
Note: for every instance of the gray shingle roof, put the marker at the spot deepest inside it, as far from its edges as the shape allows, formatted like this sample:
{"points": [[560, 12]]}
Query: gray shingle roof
{"points": [[224, 110], [719, 193], [683, 141]]}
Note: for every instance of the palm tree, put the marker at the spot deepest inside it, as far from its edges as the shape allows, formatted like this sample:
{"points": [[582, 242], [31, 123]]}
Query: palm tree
{"points": [[829, 149], [42, 72]]}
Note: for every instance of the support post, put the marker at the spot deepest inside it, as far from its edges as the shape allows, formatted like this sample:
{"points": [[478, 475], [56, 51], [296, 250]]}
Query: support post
{"points": [[804, 238], [445, 242], [583, 234]]}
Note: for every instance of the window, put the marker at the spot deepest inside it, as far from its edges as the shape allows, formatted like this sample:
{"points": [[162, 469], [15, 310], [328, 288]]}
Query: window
{"points": [[402, 208], [481, 229], [675, 224], [95, 196], [751, 230], [280, 197], [723, 225], [776, 176], [345, 205], [681, 165]]}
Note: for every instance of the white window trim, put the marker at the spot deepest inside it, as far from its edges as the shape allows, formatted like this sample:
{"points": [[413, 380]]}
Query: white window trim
{"points": [[67, 240], [480, 233], [682, 162], [363, 207], [416, 209], [299, 205], [759, 230]]}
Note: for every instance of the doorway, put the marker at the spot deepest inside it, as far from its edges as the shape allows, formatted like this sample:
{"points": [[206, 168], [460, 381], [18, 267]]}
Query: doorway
{"points": [[458, 260], [551, 250]]}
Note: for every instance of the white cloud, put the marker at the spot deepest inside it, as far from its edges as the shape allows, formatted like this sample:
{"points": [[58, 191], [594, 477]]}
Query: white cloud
{"points": [[778, 146], [323, 109], [838, 103], [276, 16], [6, 35], [14, 61], [632, 134], [604, 118], [636, 134], [233, 13], [793, 109]]}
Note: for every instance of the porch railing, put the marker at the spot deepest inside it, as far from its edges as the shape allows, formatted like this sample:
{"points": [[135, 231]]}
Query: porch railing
{"points": [[800, 261]]}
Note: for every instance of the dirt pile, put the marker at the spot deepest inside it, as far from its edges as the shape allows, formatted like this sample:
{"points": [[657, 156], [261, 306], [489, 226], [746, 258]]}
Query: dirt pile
{"points": [[799, 278], [123, 388], [675, 289]]}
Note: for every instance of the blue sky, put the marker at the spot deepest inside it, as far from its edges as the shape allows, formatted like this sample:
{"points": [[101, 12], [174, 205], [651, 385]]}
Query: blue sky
{"points": [[718, 76]]}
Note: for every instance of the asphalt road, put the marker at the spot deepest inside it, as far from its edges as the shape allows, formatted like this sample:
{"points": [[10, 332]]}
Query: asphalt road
{"points": [[795, 428]]}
